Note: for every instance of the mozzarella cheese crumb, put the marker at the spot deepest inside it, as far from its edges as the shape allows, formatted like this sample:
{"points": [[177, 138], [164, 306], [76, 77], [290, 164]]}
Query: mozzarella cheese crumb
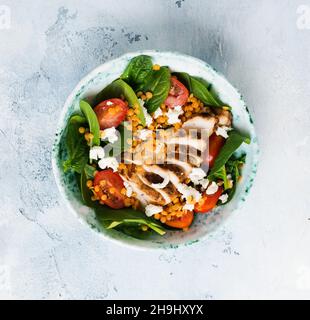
{"points": [[224, 197], [109, 162], [162, 184], [173, 115], [188, 192], [157, 113], [129, 189], [213, 187], [144, 134], [147, 116], [189, 207], [222, 131], [151, 209], [204, 183], [196, 175], [96, 153], [109, 134]]}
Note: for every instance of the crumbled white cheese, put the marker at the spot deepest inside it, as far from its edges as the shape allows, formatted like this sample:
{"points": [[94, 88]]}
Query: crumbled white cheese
{"points": [[157, 113], [147, 116], [151, 209], [173, 115], [222, 131], [144, 134], [129, 189], [188, 192], [213, 187], [109, 134], [96, 153], [162, 184], [189, 207], [196, 175], [224, 197], [204, 183], [109, 103], [109, 162]]}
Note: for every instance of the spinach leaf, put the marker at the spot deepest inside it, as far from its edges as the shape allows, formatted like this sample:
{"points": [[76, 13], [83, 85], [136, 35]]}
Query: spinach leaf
{"points": [[232, 143], [220, 174], [137, 70], [92, 121], [111, 218], [89, 171], [117, 89], [199, 88], [157, 82], [233, 168], [76, 145], [85, 192]]}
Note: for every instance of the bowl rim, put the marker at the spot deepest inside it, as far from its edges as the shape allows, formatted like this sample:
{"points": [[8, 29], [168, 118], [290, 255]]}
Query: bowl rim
{"points": [[138, 244]]}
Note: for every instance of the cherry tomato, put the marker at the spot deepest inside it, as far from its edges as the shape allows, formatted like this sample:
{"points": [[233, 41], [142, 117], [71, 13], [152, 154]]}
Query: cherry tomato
{"points": [[215, 145], [183, 222], [110, 185], [208, 201], [111, 113], [178, 94]]}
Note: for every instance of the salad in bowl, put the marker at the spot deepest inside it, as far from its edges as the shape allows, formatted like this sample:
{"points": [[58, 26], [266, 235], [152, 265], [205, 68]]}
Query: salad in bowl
{"points": [[153, 151]]}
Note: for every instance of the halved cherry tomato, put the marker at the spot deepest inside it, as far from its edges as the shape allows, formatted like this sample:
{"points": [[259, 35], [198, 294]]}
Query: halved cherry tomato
{"points": [[208, 202], [111, 113], [183, 222], [215, 145], [178, 94], [110, 185]]}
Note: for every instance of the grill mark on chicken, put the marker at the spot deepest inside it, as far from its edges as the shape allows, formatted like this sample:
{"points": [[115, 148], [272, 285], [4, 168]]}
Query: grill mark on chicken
{"points": [[143, 190], [163, 192], [153, 178]]}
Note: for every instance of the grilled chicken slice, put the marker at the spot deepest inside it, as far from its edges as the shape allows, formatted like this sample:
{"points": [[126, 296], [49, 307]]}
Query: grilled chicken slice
{"points": [[185, 167], [163, 172], [199, 144], [192, 159], [203, 121], [143, 191], [224, 118], [150, 179]]}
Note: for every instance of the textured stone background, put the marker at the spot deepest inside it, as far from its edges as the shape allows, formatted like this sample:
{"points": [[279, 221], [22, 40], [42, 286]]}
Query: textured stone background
{"points": [[261, 252]]}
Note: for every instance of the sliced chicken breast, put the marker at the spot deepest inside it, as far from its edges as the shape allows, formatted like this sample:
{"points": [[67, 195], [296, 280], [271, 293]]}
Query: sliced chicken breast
{"points": [[203, 122]]}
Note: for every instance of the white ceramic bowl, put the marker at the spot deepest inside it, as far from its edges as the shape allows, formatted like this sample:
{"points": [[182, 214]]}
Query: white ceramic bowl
{"points": [[104, 75]]}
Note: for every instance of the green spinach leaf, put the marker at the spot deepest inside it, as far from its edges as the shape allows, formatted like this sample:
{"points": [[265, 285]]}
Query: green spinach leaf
{"points": [[111, 218], [157, 82], [92, 119], [89, 171], [76, 145], [220, 174], [137, 70], [117, 89], [233, 167], [85, 192], [199, 88], [232, 143]]}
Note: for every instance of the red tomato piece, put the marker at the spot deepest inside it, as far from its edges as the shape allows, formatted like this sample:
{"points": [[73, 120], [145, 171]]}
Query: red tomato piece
{"points": [[110, 186], [178, 94], [111, 113], [208, 202], [183, 222], [215, 145]]}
